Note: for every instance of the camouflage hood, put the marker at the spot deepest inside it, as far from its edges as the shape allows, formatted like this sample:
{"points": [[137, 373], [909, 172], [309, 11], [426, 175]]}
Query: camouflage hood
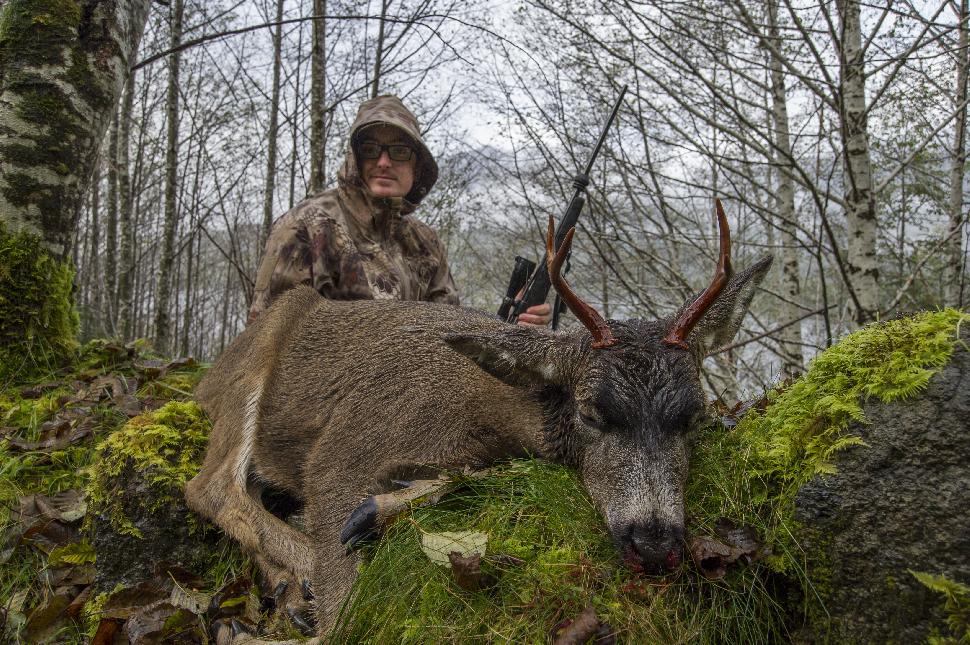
{"points": [[389, 110]]}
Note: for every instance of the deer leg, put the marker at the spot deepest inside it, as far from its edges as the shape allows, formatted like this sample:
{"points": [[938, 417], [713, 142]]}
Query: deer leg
{"points": [[219, 493], [371, 516]]}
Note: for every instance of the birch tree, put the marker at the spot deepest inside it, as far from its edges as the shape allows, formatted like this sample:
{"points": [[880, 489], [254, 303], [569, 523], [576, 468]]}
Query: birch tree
{"points": [[955, 269], [163, 290], [62, 68]]}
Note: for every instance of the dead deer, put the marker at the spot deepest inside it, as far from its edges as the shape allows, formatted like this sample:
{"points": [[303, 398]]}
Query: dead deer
{"points": [[333, 401]]}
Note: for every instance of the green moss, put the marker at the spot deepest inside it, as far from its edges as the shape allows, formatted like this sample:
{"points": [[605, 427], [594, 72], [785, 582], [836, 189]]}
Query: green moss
{"points": [[166, 446], [38, 322], [750, 475], [36, 30]]}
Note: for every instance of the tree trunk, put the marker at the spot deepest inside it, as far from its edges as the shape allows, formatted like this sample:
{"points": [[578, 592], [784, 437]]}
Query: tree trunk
{"points": [[955, 265], [127, 256], [62, 67], [273, 128], [860, 205], [162, 330], [318, 79], [379, 50], [94, 316], [791, 336], [111, 233]]}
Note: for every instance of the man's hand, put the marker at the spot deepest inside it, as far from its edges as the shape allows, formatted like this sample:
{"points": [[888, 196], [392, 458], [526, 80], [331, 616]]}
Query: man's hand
{"points": [[536, 315]]}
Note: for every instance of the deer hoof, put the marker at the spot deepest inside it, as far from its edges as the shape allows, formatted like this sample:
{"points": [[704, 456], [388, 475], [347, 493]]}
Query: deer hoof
{"points": [[301, 621], [361, 525]]}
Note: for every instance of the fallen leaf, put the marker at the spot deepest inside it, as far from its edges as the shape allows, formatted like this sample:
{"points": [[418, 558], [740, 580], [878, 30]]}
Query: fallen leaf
{"points": [[743, 538], [125, 602], [162, 622], [712, 557], [129, 405], [108, 628], [54, 435], [74, 609], [194, 601], [468, 571], [438, 546], [579, 630], [37, 391], [46, 618]]}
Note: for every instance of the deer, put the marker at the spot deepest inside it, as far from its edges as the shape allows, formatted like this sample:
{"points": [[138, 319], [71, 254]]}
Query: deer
{"points": [[335, 401]]}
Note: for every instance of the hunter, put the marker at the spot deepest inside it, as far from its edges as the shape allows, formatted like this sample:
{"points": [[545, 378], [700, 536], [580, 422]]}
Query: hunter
{"points": [[360, 240]]}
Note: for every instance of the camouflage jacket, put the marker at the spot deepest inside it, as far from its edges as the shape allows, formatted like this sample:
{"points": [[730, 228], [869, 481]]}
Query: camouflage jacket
{"points": [[349, 245]]}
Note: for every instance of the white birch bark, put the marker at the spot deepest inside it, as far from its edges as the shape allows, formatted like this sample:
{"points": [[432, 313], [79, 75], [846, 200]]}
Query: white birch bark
{"points": [[164, 286], [860, 205], [77, 60], [954, 273], [791, 336]]}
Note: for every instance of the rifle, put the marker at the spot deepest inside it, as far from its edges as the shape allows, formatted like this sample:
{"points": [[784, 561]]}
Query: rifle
{"points": [[538, 286]]}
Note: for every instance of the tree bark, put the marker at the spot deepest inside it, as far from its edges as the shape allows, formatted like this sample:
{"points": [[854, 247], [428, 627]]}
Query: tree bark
{"points": [[860, 204], [162, 322], [62, 67], [111, 233], [379, 50], [791, 336], [318, 79], [954, 275], [273, 133], [126, 269]]}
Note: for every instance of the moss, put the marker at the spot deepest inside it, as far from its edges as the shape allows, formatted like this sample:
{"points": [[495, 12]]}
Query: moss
{"points": [[38, 322], [36, 30], [165, 446], [753, 474], [750, 475]]}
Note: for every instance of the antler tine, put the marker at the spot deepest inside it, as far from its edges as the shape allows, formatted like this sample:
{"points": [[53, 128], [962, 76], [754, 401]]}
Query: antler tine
{"points": [[693, 313], [602, 336]]}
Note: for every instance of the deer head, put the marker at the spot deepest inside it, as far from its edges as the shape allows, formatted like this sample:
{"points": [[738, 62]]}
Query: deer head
{"points": [[622, 399]]}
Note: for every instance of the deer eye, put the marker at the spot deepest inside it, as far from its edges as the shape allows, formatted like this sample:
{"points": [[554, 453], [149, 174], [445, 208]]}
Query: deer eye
{"points": [[591, 420]]}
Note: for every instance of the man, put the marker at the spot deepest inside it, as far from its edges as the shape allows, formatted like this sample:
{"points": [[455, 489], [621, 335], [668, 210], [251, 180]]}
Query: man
{"points": [[359, 240]]}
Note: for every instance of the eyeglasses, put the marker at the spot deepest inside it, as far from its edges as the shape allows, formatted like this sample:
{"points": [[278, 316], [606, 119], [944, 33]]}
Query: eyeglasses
{"points": [[396, 151]]}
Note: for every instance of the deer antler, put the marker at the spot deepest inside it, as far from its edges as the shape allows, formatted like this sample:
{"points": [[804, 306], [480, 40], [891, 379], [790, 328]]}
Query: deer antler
{"points": [[693, 313], [602, 336]]}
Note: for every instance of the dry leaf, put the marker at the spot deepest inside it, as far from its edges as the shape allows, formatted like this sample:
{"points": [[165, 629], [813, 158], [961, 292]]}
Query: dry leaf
{"points": [[438, 546]]}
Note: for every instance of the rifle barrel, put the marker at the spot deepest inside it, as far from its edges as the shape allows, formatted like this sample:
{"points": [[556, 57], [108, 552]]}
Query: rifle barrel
{"points": [[609, 122]]}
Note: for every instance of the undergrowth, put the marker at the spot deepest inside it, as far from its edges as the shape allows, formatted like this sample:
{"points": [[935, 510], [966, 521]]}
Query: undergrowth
{"points": [[749, 475]]}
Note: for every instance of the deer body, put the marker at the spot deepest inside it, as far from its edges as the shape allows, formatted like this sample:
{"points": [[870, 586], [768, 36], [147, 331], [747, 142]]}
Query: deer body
{"points": [[332, 401]]}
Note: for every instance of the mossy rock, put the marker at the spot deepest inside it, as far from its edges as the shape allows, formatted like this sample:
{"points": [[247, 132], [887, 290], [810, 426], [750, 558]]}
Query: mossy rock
{"points": [[754, 475], [137, 510], [38, 322]]}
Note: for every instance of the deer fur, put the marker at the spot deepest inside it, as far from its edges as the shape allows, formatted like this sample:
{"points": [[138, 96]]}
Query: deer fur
{"points": [[331, 401]]}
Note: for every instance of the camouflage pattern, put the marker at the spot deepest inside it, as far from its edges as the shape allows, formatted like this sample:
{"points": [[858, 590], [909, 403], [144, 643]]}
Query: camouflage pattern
{"points": [[349, 245]]}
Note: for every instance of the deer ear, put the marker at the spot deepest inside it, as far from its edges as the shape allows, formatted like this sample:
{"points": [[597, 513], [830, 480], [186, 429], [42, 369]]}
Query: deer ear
{"points": [[721, 322], [517, 355]]}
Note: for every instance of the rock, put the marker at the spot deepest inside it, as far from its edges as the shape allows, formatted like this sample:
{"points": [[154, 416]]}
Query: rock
{"points": [[896, 504], [140, 523]]}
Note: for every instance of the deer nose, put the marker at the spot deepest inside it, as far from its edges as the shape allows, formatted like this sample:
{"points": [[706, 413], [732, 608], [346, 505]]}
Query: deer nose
{"points": [[654, 546]]}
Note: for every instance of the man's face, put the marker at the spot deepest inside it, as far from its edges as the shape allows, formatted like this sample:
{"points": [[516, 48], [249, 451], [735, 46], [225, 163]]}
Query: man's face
{"points": [[386, 177]]}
